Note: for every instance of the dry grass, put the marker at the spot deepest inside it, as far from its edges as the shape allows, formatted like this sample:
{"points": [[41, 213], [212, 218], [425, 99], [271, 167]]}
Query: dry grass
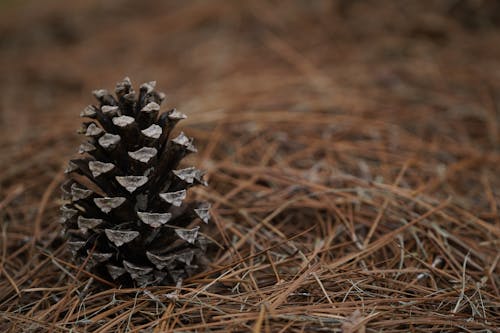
{"points": [[353, 162]]}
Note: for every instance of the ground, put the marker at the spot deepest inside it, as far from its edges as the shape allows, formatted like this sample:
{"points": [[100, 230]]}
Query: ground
{"points": [[351, 148]]}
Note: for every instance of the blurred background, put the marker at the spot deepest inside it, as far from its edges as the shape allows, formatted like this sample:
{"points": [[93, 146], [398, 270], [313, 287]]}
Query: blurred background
{"points": [[436, 57]]}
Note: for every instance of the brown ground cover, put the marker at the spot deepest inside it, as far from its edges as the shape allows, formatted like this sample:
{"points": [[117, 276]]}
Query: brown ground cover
{"points": [[352, 151]]}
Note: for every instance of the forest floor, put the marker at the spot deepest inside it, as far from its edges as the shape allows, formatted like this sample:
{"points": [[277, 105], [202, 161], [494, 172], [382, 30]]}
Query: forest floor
{"points": [[352, 150]]}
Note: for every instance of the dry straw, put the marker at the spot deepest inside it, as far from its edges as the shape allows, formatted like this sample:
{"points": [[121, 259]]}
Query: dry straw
{"points": [[354, 172]]}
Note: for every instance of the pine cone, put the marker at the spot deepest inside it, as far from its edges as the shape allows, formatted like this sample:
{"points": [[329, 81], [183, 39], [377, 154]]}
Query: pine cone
{"points": [[126, 216]]}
